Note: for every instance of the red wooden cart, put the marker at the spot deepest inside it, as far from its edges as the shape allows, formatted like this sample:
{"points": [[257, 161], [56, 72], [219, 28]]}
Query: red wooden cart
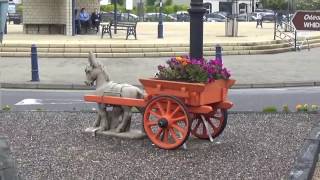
{"points": [[174, 109]]}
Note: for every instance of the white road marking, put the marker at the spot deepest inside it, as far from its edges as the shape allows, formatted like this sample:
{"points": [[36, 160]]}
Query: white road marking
{"points": [[50, 102], [29, 102]]}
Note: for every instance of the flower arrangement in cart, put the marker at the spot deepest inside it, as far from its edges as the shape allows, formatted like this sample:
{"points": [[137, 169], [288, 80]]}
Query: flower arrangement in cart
{"points": [[193, 70]]}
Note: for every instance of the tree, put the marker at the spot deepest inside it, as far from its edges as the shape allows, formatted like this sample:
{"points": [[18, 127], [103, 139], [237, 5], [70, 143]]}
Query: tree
{"points": [[275, 4], [151, 2], [308, 4], [168, 3]]}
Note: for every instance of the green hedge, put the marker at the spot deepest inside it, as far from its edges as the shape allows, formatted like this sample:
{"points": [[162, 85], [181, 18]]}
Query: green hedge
{"points": [[147, 9]]}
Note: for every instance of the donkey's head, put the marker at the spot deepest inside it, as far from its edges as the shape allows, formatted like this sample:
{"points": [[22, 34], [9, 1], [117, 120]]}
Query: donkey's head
{"points": [[94, 70]]}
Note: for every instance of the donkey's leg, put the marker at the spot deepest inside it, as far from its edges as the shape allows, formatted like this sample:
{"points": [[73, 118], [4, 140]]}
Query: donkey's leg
{"points": [[98, 120], [104, 124], [126, 120]]}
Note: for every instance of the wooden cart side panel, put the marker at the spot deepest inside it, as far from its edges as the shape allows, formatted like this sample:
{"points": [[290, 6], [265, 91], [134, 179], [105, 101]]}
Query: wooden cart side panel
{"points": [[163, 85], [194, 94]]}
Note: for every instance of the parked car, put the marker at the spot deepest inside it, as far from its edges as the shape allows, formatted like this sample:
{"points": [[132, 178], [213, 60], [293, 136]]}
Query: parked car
{"points": [[216, 17], [243, 17], [268, 17], [154, 17], [132, 17], [182, 16], [109, 16]]}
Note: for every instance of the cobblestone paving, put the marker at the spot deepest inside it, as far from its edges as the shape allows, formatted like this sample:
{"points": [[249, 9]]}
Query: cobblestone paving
{"points": [[51, 145]]}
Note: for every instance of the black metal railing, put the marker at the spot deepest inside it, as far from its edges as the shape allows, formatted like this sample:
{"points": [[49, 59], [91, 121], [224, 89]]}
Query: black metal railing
{"points": [[287, 33]]}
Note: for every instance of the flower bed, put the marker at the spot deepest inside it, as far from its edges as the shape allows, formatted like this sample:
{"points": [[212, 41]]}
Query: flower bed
{"points": [[193, 70]]}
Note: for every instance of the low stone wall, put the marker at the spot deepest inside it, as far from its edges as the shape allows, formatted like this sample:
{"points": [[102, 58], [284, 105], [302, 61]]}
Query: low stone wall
{"points": [[44, 28]]}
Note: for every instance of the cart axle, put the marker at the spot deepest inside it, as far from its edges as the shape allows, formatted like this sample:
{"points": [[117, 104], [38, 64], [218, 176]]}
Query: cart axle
{"points": [[163, 123]]}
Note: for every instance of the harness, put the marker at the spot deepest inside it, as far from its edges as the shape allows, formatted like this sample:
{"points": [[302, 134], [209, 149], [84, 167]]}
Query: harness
{"points": [[114, 89]]}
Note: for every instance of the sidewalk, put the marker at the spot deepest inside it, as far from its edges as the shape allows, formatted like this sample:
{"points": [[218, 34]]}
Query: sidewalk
{"points": [[174, 32], [249, 70]]}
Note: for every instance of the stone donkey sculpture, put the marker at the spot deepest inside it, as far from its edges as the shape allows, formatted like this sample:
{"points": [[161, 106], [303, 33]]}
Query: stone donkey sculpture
{"points": [[119, 118]]}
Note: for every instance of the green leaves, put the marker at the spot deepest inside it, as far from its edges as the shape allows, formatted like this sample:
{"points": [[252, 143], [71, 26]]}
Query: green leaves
{"points": [[196, 73]]}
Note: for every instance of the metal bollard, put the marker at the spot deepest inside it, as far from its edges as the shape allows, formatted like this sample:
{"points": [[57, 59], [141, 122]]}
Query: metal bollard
{"points": [[34, 63], [5, 28], [218, 52]]}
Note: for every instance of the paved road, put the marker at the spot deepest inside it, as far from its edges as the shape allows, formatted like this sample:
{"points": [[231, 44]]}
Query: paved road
{"points": [[244, 99], [248, 69]]}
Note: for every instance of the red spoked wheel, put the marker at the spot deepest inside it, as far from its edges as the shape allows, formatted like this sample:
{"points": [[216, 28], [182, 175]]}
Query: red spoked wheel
{"points": [[166, 122], [216, 121]]}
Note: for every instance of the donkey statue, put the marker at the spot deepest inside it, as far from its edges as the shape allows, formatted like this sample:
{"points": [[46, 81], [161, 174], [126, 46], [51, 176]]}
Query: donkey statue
{"points": [[119, 118]]}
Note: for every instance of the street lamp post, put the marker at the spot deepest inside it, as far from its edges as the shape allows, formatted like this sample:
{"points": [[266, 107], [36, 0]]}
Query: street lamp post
{"points": [[73, 17], [160, 24], [115, 16], [196, 12]]}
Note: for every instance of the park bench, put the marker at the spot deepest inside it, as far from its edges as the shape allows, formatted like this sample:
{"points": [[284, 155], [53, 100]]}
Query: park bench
{"points": [[130, 27]]}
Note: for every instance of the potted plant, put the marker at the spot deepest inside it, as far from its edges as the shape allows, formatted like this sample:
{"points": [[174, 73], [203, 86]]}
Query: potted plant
{"points": [[198, 81]]}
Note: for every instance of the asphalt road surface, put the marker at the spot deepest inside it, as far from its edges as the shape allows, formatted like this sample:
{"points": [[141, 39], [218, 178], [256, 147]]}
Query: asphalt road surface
{"points": [[244, 99]]}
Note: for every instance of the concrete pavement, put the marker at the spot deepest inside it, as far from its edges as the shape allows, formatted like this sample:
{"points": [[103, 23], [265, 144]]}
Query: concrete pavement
{"points": [[251, 40], [278, 70]]}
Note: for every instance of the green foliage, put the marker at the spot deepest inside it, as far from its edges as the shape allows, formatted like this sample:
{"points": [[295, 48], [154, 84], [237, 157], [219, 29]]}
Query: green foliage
{"points": [[150, 9], [109, 8], [168, 3], [308, 4], [106, 8], [196, 74], [275, 4], [285, 108], [151, 2], [6, 108], [121, 2], [180, 8], [19, 8], [314, 108], [168, 10], [270, 109], [135, 110]]}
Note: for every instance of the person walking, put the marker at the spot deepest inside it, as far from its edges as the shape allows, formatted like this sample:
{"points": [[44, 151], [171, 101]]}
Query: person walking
{"points": [[259, 20], [279, 19]]}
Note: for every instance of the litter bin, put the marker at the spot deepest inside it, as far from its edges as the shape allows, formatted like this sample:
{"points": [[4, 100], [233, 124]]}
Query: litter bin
{"points": [[231, 27]]}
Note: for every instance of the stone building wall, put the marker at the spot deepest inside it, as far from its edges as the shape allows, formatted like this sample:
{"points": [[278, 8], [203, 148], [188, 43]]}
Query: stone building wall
{"points": [[52, 16], [90, 5]]}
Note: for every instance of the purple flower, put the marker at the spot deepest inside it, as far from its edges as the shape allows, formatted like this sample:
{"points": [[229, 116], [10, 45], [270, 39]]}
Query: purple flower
{"points": [[212, 69]]}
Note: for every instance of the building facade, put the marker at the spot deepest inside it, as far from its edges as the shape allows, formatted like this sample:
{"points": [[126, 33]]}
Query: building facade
{"points": [[52, 16]]}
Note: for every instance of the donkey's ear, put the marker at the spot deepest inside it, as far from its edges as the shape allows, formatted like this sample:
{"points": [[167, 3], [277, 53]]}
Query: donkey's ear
{"points": [[92, 59]]}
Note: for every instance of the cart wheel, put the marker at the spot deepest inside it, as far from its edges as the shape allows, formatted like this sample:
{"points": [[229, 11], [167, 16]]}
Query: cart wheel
{"points": [[166, 122], [217, 121]]}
